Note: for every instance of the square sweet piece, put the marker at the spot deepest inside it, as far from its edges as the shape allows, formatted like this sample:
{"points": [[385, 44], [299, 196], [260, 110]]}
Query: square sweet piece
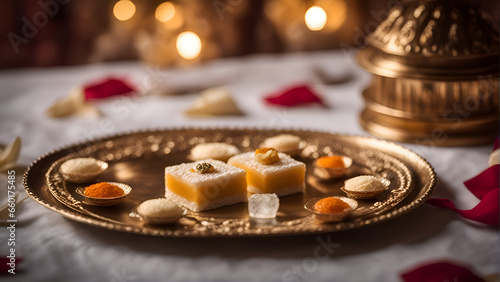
{"points": [[287, 176], [225, 185]]}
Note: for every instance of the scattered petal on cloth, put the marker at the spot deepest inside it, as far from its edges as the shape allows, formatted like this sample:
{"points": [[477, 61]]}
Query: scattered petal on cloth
{"points": [[439, 272], [214, 102], [295, 96], [487, 211], [73, 104], [485, 186], [76, 101], [9, 155], [484, 182], [107, 88], [494, 157], [4, 264]]}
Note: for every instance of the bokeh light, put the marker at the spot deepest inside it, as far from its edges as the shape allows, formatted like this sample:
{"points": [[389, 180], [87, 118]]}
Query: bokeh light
{"points": [[165, 12], [315, 18], [188, 45], [124, 10]]}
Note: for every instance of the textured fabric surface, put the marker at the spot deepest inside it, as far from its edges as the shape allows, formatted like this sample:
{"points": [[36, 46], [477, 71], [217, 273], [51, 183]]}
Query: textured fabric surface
{"points": [[54, 248]]}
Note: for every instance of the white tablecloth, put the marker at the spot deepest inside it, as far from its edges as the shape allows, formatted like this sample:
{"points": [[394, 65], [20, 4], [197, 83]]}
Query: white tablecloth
{"points": [[57, 249]]}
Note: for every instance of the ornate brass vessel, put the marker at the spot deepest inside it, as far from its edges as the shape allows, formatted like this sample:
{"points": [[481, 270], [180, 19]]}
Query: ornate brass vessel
{"points": [[435, 67]]}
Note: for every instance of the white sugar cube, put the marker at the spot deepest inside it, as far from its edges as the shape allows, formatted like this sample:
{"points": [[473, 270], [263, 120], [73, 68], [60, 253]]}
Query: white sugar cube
{"points": [[263, 205]]}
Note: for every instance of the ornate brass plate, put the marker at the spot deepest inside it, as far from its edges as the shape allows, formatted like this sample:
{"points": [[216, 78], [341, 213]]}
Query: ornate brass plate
{"points": [[138, 159]]}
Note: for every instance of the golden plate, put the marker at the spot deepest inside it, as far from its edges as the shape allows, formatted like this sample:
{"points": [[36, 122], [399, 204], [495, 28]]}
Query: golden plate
{"points": [[138, 159]]}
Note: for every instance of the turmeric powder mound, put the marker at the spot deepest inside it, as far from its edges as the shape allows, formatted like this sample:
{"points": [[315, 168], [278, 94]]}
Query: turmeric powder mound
{"points": [[331, 162], [331, 205], [103, 190]]}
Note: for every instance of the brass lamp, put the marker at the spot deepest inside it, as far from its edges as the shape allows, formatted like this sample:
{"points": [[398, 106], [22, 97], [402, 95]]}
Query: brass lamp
{"points": [[435, 67]]}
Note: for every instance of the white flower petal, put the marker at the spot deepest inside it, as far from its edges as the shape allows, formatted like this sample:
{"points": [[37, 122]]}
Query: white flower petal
{"points": [[9, 155], [214, 102], [495, 157], [68, 105]]}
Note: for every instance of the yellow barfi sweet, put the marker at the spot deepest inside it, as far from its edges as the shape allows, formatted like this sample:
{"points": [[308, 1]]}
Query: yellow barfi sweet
{"points": [[197, 188], [286, 176]]}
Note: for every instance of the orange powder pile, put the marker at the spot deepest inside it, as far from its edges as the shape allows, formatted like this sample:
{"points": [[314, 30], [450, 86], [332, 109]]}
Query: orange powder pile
{"points": [[331, 162], [331, 205], [103, 190]]}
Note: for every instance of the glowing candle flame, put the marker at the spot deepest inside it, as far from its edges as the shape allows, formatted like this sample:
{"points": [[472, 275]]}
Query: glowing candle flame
{"points": [[165, 12], [188, 45], [315, 18], [124, 10]]}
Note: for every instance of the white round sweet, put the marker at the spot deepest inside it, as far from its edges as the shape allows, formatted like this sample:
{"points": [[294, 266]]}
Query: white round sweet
{"points": [[159, 208], [81, 166], [364, 183], [283, 142], [216, 151]]}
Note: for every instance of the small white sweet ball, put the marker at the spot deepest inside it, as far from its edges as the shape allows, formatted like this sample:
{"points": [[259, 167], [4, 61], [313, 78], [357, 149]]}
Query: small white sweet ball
{"points": [[364, 183], [81, 166], [283, 142], [216, 151], [159, 208]]}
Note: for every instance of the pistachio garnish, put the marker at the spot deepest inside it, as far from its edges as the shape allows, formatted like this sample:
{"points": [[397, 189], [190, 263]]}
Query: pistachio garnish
{"points": [[203, 168]]}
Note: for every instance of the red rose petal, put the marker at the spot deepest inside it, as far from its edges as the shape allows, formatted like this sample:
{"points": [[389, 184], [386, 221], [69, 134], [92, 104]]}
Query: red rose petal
{"points": [[484, 182], [487, 211], [107, 88], [295, 96], [439, 272], [4, 264]]}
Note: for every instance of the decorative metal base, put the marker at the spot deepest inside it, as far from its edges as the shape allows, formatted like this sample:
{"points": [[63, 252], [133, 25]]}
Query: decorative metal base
{"points": [[465, 132], [432, 112]]}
